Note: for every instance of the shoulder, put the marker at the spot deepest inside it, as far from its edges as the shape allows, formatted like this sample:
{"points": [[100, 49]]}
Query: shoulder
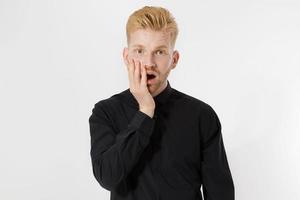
{"points": [[109, 103], [207, 117], [203, 107]]}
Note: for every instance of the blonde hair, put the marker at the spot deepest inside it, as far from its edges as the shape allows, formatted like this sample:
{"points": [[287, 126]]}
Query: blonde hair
{"points": [[155, 18]]}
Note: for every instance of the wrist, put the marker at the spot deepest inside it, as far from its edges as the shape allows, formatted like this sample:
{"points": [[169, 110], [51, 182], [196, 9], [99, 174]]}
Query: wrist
{"points": [[147, 111]]}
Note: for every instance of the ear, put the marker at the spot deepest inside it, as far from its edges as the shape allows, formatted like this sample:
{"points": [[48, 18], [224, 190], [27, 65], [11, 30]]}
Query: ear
{"points": [[125, 55], [175, 59]]}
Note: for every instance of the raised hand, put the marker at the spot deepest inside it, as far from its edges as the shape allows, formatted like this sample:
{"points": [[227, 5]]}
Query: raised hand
{"points": [[138, 86]]}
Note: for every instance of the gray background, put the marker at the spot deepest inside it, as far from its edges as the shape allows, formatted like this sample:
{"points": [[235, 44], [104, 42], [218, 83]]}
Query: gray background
{"points": [[58, 58]]}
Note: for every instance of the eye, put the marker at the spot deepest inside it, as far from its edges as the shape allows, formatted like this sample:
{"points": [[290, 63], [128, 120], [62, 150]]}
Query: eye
{"points": [[138, 51], [159, 52]]}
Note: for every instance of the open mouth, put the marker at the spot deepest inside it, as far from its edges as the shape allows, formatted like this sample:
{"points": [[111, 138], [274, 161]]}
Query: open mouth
{"points": [[150, 76]]}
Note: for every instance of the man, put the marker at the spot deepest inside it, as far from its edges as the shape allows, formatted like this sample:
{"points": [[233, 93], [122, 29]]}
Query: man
{"points": [[151, 141]]}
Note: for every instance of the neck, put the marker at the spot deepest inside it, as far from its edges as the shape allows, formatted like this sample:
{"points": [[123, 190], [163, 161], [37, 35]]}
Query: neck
{"points": [[160, 89]]}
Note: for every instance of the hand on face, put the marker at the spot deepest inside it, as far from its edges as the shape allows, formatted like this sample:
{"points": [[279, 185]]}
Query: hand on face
{"points": [[138, 84]]}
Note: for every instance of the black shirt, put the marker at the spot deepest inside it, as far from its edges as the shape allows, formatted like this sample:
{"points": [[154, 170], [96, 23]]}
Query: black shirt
{"points": [[167, 157]]}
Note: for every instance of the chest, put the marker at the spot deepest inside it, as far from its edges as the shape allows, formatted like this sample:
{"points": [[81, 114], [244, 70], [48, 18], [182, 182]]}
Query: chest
{"points": [[177, 138]]}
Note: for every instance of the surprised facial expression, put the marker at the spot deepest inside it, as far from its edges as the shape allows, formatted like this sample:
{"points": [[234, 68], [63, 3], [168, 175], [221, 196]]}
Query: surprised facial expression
{"points": [[154, 49]]}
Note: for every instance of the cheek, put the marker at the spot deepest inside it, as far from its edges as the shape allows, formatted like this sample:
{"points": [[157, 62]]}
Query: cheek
{"points": [[167, 61], [132, 55], [164, 65]]}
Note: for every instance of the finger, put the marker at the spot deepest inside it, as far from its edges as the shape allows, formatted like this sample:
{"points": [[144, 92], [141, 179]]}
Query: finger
{"points": [[144, 75], [127, 63], [131, 65], [137, 72], [133, 71], [130, 71]]}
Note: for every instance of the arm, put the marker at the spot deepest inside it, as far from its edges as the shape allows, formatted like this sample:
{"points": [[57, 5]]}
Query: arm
{"points": [[215, 172], [115, 154]]}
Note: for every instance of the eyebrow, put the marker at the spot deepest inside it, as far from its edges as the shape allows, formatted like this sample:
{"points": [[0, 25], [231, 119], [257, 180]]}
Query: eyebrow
{"points": [[158, 47]]}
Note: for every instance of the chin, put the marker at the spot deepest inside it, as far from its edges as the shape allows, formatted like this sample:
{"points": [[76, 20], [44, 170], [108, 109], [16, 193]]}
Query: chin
{"points": [[153, 88]]}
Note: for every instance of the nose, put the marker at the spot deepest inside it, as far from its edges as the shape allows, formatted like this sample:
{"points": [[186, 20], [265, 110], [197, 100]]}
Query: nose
{"points": [[148, 61], [149, 66]]}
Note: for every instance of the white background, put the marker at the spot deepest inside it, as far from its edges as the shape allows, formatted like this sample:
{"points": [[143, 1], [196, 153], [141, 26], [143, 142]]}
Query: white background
{"points": [[58, 58]]}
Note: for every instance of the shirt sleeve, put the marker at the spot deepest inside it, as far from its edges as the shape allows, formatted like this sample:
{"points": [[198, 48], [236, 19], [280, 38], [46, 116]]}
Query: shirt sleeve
{"points": [[216, 176], [113, 153]]}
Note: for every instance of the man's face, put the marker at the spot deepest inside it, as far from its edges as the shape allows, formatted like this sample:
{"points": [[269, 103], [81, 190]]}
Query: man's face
{"points": [[153, 48]]}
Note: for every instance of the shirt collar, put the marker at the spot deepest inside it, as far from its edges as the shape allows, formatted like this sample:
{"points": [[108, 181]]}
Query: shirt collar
{"points": [[159, 99]]}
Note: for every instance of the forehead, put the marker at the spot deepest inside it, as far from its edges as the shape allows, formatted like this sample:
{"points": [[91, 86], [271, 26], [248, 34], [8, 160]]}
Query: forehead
{"points": [[150, 39]]}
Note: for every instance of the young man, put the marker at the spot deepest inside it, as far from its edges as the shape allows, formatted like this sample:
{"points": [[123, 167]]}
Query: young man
{"points": [[151, 141]]}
